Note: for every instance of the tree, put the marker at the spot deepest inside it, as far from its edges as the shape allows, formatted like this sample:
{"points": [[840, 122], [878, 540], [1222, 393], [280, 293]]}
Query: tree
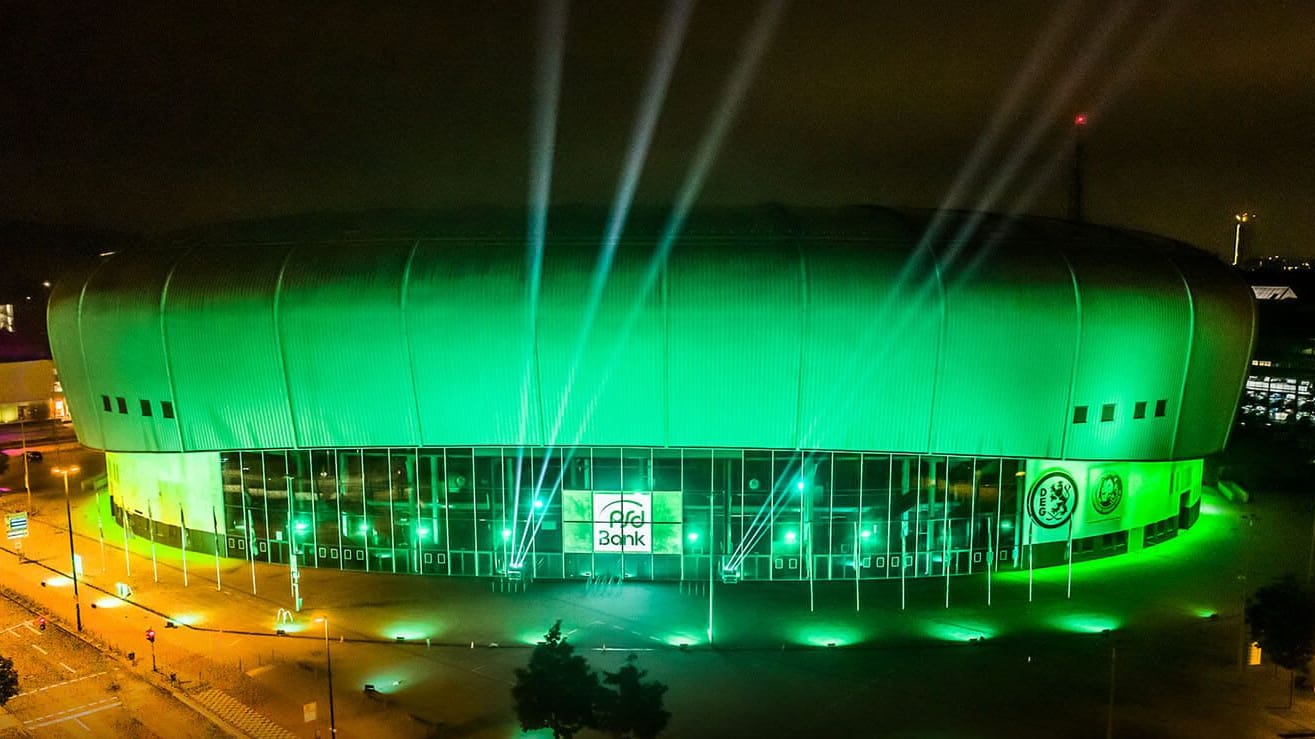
{"points": [[557, 689], [8, 680], [634, 708], [1282, 620]]}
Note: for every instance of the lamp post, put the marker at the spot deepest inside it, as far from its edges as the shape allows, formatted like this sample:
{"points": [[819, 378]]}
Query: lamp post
{"points": [[64, 472], [1242, 219], [1109, 709], [328, 661], [22, 430]]}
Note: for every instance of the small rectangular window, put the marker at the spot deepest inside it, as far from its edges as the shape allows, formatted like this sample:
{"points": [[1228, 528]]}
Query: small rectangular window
{"points": [[166, 409], [146, 408], [1159, 407], [105, 401], [1139, 410], [123, 404], [1107, 413], [1080, 414]]}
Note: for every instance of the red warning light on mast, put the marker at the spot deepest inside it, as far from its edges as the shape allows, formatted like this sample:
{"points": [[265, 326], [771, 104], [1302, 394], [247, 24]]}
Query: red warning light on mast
{"points": [[1080, 120]]}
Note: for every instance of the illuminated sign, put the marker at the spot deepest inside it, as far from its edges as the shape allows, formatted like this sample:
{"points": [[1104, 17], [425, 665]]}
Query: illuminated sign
{"points": [[623, 522], [1052, 500], [1108, 494]]}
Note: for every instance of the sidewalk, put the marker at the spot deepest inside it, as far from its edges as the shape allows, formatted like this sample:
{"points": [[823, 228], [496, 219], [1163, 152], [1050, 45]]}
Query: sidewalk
{"points": [[461, 638]]}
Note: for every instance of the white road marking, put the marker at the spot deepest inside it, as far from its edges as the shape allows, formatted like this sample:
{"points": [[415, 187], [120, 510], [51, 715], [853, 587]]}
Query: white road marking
{"points": [[31, 628], [70, 669], [66, 682], [78, 721], [55, 718], [39, 649]]}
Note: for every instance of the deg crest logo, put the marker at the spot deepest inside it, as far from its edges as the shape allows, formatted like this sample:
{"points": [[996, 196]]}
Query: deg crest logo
{"points": [[1052, 500], [1108, 494]]}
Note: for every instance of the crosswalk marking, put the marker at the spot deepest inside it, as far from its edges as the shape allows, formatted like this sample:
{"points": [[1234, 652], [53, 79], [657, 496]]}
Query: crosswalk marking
{"points": [[83, 710], [66, 682]]}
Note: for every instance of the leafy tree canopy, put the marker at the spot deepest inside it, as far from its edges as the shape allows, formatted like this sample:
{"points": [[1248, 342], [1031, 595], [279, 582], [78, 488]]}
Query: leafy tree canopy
{"points": [[1282, 620], [557, 689], [8, 680], [634, 707]]}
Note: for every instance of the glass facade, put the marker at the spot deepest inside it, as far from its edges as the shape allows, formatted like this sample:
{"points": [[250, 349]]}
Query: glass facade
{"points": [[1285, 401], [638, 513]]}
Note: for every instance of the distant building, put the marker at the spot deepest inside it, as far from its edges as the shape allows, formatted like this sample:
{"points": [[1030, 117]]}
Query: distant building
{"points": [[30, 391], [792, 394], [1280, 387], [29, 385]]}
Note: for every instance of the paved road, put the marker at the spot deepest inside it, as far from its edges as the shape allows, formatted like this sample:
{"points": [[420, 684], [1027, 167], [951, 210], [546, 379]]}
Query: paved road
{"points": [[70, 689], [1043, 669]]}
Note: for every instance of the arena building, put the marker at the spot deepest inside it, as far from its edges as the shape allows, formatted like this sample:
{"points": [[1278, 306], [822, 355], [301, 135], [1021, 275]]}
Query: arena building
{"points": [[786, 395]]}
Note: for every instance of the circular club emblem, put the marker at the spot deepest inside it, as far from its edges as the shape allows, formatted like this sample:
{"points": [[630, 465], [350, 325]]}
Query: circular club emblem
{"points": [[1052, 500], [1108, 494]]}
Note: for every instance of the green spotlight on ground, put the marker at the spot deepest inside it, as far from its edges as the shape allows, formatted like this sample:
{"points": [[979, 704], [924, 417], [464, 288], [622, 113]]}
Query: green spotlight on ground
{"points": [[1085, 623], [530, 637], [826, 635], [409, 631], [682, 639], [959, 631]]}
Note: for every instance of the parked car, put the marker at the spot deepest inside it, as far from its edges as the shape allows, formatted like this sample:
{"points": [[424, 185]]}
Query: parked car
{"points": [[34, 457]]}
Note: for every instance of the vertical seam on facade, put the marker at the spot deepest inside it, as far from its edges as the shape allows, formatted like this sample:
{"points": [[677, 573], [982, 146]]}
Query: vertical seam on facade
{"points": [[536, 375], [403, 300], [82, 347], [1187, 360], [665, 276], [940, 345], [164, 345], [1067, 417], [803, 341], [278, 341], [1242, 377]]}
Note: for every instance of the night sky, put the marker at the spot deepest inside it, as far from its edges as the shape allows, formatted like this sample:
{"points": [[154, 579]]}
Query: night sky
{"points": [[159, 117]]}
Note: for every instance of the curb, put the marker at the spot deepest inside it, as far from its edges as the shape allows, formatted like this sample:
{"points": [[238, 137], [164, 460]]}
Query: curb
{"points": [[23, 602]]}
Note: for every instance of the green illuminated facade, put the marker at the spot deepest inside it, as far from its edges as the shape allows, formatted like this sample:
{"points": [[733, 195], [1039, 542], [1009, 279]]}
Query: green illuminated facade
{"points": [[823, 394]]}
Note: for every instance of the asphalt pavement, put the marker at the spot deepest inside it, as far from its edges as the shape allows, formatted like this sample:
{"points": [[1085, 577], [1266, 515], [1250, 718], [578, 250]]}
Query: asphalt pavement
{"points": [[1160, 631]]}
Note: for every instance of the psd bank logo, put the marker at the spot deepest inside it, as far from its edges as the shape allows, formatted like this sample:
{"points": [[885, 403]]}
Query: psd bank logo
{"points": [[623, 522]]}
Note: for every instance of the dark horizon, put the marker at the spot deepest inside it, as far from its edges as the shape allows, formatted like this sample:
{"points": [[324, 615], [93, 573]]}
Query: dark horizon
{"points": [[163, 117]]}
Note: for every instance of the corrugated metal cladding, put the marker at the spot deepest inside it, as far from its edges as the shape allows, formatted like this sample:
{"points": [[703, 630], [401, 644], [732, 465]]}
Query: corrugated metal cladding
{"points": [[856, 329]]}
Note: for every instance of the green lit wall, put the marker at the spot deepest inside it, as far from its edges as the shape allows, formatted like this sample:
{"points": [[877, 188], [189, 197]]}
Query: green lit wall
{"points": [[853, 329], [654, 513], [168, 488]]}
